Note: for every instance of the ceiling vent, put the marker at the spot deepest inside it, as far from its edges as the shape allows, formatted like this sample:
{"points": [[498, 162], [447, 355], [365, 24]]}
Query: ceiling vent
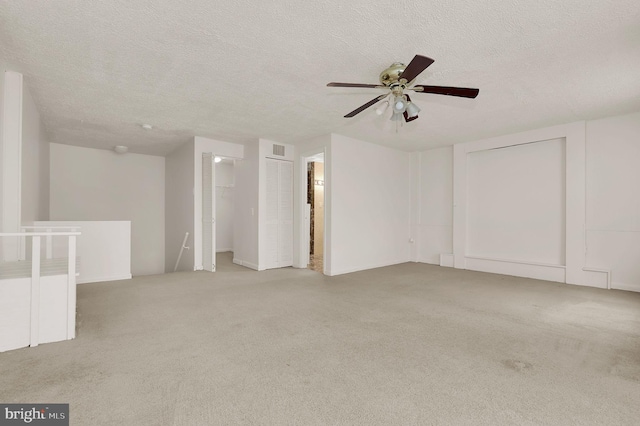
{"points": [[278, 150]]}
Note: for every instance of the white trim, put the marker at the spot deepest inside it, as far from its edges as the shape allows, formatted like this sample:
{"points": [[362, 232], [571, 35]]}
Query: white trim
{"points": [[625, 286], [594, 277], [231, 151], [366, 267], [459, 204], [301, 206], [11, 169], [518, 268], [35, 292], [519, 262], [47, 228], [71, 285], [246, 264], [39, 234], [575, 202], [574, 135], [103, 279]]}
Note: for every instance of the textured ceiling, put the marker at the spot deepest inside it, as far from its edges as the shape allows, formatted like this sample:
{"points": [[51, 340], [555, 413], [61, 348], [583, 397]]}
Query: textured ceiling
{"points": [[240, 70]]}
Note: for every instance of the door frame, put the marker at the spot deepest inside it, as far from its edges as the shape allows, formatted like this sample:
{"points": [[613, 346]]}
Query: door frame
{"points": [[303, 238], [209, 157]]}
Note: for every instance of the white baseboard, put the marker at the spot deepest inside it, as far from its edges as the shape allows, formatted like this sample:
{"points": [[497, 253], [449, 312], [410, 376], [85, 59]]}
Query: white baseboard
{"points": [[516, 268], [246, 264], [446, 259], [625, 286], [103, 279], [364, 268], [600, 278], [592, 277]]}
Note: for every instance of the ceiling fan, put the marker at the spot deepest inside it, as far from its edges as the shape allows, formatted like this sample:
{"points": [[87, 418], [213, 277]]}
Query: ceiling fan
{"points": [[397, 77]]}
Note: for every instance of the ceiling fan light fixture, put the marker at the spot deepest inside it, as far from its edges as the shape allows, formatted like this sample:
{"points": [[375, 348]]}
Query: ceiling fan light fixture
{"points": [[399, 105], [412, 109], [382, 108], [396, 116]]}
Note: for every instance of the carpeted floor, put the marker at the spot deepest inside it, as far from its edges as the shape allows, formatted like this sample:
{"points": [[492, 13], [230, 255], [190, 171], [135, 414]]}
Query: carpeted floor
{"points": [[402, 345]]}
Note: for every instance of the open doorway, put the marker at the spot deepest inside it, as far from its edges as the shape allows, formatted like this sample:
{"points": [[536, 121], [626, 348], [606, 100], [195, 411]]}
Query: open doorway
{"points": [[218, 184], [315, 212], [225, 199]]}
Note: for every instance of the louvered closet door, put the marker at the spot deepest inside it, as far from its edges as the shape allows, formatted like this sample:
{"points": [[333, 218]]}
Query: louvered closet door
{"points": [[285, 204], [279, 214], [273, 172]]}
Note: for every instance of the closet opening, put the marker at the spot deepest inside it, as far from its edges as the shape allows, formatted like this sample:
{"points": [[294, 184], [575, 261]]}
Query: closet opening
{"points": [[225, 193], [217, 211]]}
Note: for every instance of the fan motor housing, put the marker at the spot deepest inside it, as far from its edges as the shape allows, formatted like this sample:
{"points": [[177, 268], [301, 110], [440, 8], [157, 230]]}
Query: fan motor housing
{"points": [[392, 74]]}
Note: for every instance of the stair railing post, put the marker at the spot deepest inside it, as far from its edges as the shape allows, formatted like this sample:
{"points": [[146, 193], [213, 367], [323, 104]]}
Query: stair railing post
{"points": [[35, 291]]}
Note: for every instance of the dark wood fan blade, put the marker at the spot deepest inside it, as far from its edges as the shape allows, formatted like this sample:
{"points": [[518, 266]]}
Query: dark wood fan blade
{"points": [[416, 66], [463, 92], [369, 86], [407, 118], [365, 106]]}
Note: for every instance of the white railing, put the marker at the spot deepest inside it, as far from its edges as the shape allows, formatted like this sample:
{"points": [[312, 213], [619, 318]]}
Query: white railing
{"points": [[48, 240], [35, 299]]}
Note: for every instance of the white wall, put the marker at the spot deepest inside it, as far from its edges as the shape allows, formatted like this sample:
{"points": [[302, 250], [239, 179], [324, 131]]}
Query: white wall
{"points": [[613, 198], [601, 201], [25, 161], [245, 223], [435, 205], [516, 203], [224, 206], [2, 70], [35, 164], [179, 206], [370, 205], [94, 185], [11, 161]]}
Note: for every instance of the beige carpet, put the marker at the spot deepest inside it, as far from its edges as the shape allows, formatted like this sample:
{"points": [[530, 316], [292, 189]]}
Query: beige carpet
{"points": [[401, 345]]}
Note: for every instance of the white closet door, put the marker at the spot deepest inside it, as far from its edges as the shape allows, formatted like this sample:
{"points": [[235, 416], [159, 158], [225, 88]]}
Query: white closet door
{"points": [[208, 213], [285, 228], [279, 214], [272, 216]]}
